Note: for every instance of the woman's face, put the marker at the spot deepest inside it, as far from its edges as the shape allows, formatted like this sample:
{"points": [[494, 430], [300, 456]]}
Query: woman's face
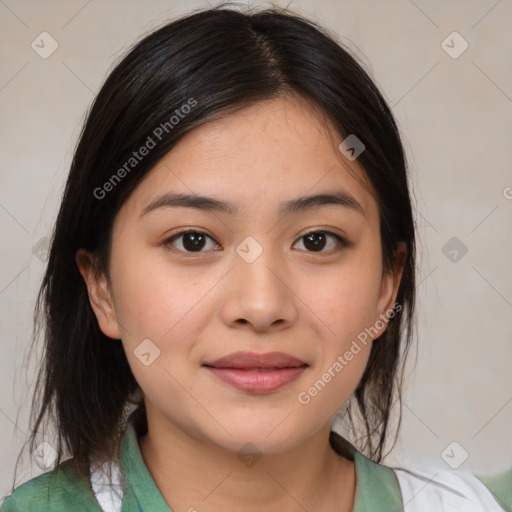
{"points": [[249, 279]]}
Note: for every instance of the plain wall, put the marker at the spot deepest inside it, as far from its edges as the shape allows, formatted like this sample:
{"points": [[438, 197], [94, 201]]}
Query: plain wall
{"points": [[455, 115]]}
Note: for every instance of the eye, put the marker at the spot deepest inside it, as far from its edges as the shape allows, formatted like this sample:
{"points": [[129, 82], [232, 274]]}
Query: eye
{"points": [[315, 241], [192, 240]]}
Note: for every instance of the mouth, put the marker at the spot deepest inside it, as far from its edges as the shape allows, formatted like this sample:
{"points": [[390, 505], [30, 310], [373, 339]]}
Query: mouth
{"points": [[257, 373]]}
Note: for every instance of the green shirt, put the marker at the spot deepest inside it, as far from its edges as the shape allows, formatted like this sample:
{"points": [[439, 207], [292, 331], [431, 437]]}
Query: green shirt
{"points": [[377, 486]]}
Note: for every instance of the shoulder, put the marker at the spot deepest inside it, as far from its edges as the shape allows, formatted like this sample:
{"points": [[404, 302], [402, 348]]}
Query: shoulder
{"points": [[453, 491], [32, 495], [60, 489]]}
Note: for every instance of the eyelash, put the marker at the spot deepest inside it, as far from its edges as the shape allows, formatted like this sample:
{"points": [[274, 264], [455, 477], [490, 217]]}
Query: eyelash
{"points": [[342, 242]]}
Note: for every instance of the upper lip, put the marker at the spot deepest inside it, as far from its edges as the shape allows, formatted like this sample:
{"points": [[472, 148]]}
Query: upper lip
{"points": [[251, 360]]}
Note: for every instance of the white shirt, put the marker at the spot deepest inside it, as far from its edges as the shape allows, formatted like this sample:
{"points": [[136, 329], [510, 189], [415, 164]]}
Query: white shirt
{"points": [[444, 490]]}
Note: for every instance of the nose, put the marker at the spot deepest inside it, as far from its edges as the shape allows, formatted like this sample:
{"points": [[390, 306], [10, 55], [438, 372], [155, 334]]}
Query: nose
{"points": [[260, 293]]}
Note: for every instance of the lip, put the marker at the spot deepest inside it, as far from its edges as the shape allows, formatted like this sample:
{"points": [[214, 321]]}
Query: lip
{"points": [[257, 373]]}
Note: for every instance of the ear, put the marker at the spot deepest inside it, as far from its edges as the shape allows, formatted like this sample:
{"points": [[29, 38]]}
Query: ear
{"points": [[389, 288], [99, 294]]}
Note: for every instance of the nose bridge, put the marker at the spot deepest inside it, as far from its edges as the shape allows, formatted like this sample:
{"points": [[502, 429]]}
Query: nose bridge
{"points": [[258, 262], [261, 295]]}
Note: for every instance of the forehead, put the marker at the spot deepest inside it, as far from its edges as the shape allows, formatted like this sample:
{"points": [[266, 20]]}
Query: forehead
{"points": [[257, 157]]}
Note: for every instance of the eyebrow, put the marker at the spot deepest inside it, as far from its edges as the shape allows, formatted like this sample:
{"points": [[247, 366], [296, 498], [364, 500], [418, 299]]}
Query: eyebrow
{"points": [[210, 204]]}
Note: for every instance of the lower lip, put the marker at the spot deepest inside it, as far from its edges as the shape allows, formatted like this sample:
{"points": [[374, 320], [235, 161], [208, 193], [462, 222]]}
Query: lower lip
{"points": [[257, 381]]}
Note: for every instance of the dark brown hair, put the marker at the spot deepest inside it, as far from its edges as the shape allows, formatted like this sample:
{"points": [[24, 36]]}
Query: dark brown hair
{"points": [[224, 59]]}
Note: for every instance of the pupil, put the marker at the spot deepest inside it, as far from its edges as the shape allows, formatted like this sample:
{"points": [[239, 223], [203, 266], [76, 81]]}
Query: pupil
{"points": [[317, 240], [196, 239]]}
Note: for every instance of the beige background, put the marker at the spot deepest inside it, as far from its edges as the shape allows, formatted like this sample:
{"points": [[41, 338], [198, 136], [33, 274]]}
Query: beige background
{"points": [[456, 118]]}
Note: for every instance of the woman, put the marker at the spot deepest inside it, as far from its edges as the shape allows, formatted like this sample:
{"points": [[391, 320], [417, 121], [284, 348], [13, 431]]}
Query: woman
{"points": [[233, 264]]}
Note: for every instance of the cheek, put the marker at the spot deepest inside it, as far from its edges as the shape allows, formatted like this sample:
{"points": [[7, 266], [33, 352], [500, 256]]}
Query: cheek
{"points": [[154, 298], [162, 315], [346, 299], [342, 362], [342, 354]]}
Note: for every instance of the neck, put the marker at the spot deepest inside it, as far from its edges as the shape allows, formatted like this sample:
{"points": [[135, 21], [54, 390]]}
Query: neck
{"points": [[192, 473]]}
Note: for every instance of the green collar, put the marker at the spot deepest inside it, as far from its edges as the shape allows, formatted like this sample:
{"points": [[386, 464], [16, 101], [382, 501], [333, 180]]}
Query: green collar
{"points": [[141, 492], [376, 486]]}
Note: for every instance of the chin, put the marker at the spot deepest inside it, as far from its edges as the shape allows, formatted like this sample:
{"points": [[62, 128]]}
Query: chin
{"points": [[259, 436]]}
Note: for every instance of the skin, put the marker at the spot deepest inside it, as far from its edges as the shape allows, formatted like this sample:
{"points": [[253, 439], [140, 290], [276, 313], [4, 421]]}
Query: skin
{"points": [[197, 307]]}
